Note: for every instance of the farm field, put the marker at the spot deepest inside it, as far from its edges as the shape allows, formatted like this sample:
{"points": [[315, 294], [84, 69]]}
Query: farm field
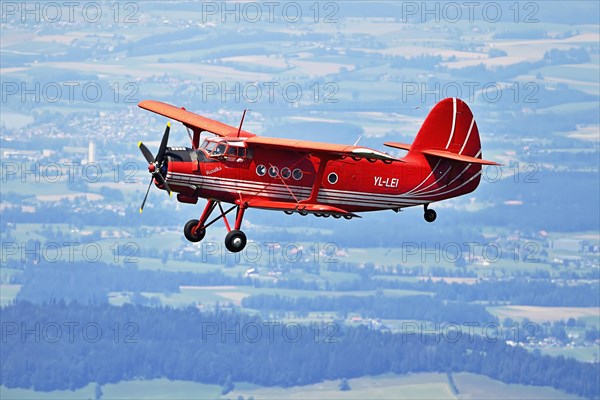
{"points": [[409, 387]]}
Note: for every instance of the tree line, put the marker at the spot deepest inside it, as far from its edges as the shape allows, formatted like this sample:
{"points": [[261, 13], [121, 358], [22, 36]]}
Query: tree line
{"points": [[134, 342], [85, 282], [420, 307]]}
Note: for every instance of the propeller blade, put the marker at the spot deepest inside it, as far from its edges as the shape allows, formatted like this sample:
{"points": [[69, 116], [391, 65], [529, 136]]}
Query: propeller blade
{"points": [[163, 144], [146, 196], [163, 182], [147, 154]]}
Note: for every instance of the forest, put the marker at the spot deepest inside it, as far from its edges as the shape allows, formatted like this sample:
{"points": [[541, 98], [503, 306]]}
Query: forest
{"points": [[106, 344]]}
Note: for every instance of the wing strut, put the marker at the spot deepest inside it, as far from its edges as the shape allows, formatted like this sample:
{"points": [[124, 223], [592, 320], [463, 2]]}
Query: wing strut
{"points": [[323, 160]]}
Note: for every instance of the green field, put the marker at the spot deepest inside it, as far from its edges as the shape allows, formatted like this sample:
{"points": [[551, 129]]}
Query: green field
{"points": [[478, 387], [542, 314], [411, 387], [585, 354], [154, 389], [8, 293], [209, 295]]}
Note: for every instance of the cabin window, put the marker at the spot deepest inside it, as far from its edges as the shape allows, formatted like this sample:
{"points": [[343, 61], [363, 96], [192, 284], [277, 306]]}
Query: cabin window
{"points": [[332, 178], [220, 150], [297, 174], [273, 172], [232, 151]]}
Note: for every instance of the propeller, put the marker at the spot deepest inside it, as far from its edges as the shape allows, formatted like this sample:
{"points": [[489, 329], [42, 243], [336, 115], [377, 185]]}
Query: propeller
{"points": [[155, 164]]}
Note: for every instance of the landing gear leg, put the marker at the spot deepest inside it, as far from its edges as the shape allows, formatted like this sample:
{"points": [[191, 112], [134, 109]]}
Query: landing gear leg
{"points": [[195, 230], [235, 240], [429, 215]]}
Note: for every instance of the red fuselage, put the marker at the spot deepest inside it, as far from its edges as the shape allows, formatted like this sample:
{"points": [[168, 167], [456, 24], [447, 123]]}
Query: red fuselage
{"points": [[353, 184]]}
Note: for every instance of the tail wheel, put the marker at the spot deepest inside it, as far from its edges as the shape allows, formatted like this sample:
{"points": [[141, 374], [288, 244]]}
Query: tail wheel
{"points": [[191, 233], [235, 241], [430, 215]]}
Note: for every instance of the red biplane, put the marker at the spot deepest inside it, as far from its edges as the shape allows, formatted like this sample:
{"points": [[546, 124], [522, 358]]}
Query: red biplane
{"points": [[304, 177]]}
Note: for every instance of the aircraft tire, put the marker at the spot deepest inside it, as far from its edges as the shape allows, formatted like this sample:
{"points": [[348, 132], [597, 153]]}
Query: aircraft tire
{"points": [[430, 215], [235, 241], [187, 231]]}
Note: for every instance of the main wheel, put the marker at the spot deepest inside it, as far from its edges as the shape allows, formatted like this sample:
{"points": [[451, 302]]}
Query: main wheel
{"points": [[191, 234], [430, 215], [235, 241]]}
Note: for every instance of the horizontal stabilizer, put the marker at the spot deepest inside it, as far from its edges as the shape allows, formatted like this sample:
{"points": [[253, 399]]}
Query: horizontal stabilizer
{"points": [[457, 157], [396, 145]]}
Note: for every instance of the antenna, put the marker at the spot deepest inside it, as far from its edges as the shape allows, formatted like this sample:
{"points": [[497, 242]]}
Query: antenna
{"points": [[357, 140], [242, 121]]}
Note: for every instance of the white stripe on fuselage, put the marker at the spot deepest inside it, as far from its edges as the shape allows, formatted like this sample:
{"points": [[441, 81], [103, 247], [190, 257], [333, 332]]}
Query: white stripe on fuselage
{"points": [[329, 196]]}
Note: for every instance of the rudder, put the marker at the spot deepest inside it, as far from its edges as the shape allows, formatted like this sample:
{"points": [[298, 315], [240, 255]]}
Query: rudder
{"points": [[449, 126]]}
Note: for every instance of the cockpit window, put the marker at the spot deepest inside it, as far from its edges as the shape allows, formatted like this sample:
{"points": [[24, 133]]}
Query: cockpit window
{"points": [[230, 151], [209, 146]]}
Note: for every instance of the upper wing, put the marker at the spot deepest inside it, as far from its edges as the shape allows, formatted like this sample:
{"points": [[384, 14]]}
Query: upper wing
{"points": [[199, 123], [191, 120], [320, 148]]}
